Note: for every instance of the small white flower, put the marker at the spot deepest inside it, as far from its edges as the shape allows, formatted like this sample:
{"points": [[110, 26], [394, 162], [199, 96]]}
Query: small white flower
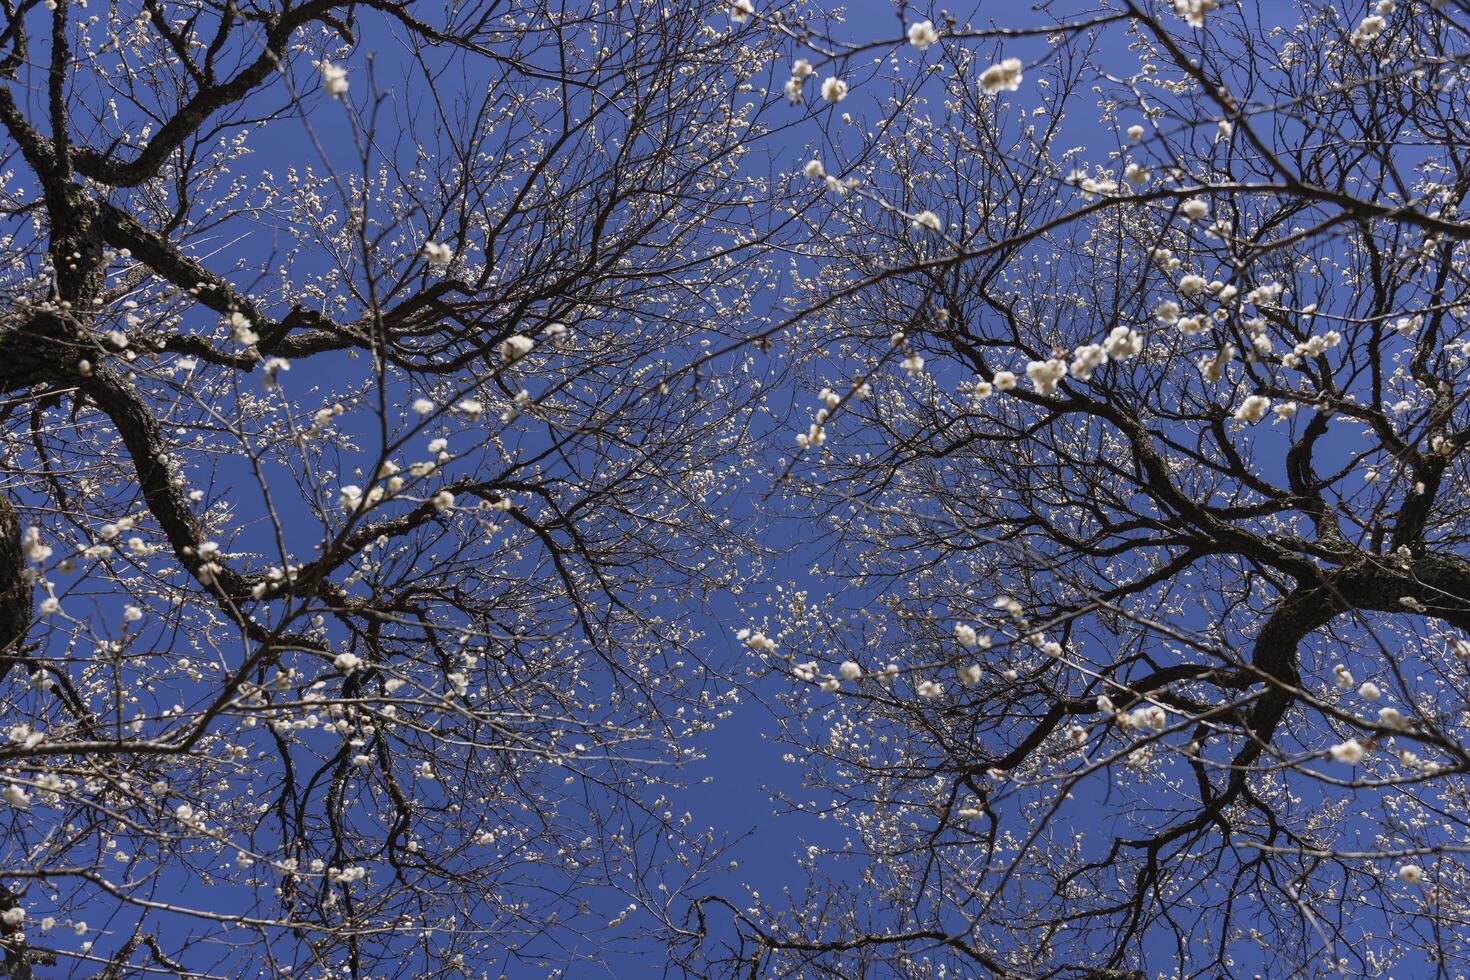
{"points": [[16, 796], [1343, 678], [1045, 375], [1195, 208], [240, 330], [437, 254], [1367, 31], [814, 170], [423, 406], [1350, 752], [1135, 132], [1087, 359], [1369, 691], [1002, 76], [922, 34], [443, 500], [850, 671], [740, 10], [1253, 409], [834, 90], [1122, 343], [1392, 718], [1004, 380], [1192, 285], [347, 662], [1411, 874], [515, 347], [271, 368], [1193, 11], [929, 221], [13, 917], [334, 79], [929, 689]]}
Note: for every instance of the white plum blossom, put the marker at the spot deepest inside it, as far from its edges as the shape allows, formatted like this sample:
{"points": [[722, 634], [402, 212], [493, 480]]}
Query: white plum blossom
{"points": [[1411, 874], [922, 34], [1003, 76], [834, 90], [1350, 752], [515, 347], [1367, 31], [1252, 409], [1192, 285], [438, 254], [240, 329], [1087, 359], [849, 670], [741, 10], [928, 221], [1123, 343], [1193, 11], [1045, 375], [334, 79]]}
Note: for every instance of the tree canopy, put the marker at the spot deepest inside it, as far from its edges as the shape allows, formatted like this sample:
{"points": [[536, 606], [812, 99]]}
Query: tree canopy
{"points": [[433, 432]]}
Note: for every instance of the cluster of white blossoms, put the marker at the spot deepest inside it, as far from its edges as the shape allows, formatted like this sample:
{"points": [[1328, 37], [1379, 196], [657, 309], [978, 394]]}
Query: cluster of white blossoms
{"points": [[756, 640], [1193, 11], [815, 171], [334, 79], [1369, 28], [1314, 346], [816, 433], [438, 254], [801, 70], [1003, 76], [1121, 344], [741, 11], [1252, 409], [1151, 717], [1046, 375], [970, 638]]}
